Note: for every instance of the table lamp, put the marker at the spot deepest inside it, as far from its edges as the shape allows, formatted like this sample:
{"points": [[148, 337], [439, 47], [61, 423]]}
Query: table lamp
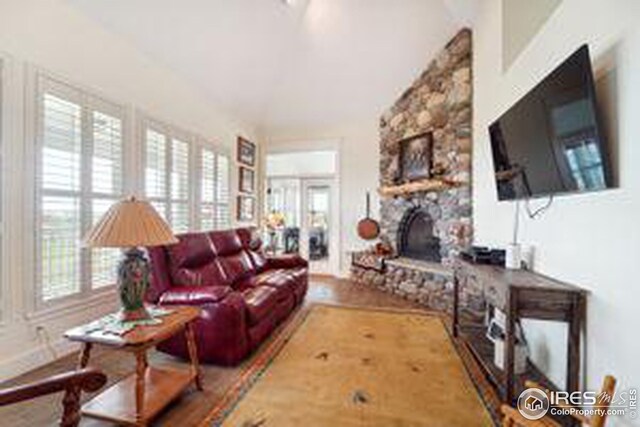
{"points": [[130, 224]]}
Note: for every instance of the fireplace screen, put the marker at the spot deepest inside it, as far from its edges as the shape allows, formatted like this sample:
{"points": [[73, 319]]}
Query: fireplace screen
{"points": [[415, 237]]}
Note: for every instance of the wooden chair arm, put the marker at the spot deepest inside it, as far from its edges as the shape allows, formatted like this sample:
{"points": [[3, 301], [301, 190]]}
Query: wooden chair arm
{"points": [[513, 418], [87, 380], [581, 418]]}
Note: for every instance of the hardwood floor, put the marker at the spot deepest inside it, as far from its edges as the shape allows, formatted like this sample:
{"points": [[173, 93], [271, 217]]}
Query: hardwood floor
{"points": [[192, 406]]}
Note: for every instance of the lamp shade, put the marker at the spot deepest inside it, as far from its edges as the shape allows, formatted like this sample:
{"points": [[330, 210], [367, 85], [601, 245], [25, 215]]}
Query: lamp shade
{"points": [[130, 223]]}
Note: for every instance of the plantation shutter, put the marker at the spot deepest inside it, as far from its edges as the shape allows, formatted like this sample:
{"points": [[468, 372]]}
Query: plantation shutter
{"points": [[180, 186], [79, 174], [222, 210], [156, 159], [168, 182], [207, 189]]}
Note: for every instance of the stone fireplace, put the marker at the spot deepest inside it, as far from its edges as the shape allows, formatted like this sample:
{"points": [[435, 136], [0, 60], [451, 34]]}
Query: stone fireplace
{"points": [[427, 228], [416, 238]]}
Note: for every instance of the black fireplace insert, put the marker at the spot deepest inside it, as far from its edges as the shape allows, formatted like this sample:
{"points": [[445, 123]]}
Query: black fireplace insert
{"points": [[415, 236]]}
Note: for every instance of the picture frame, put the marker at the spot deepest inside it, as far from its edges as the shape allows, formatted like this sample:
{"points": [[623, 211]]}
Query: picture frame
{"points": [[246, 180], [246, 209], [416, 157], [246, 152]]}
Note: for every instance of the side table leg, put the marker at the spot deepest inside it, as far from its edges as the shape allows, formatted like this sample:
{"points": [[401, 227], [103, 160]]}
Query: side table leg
{"points": [[85, 353], [509, 347], [456, 302], [141, 368], [193, 354]]}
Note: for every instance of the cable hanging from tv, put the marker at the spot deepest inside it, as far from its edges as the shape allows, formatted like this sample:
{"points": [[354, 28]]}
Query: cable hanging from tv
{"points": [[539, 211]]}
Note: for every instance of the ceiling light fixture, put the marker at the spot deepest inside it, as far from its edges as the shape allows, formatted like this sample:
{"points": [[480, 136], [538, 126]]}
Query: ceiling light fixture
{"points": [[288, 2]]}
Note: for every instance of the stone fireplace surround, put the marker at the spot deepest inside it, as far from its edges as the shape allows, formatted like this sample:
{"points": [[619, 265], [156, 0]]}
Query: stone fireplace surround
{"points": [[438, 101]]}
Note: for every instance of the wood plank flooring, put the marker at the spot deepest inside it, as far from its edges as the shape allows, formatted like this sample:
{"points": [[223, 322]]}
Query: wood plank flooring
{"points": [[192, 406]]}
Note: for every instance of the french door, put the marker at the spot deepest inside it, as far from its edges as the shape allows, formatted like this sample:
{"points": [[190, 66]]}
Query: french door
{"points": [[310, 212]]}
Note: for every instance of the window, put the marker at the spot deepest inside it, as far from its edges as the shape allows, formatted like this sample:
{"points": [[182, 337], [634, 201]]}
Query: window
{"points": [[2, 300], [79, 166], [213, 202], [167, 175]]}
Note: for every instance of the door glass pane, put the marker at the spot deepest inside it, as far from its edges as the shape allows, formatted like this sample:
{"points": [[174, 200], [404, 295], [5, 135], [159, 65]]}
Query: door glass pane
{"points": [[283, 207], [318, 209]]}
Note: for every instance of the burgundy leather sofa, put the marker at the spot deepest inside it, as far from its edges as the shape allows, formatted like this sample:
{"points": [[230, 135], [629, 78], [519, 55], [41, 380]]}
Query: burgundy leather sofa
{"points": [[243, 294]]}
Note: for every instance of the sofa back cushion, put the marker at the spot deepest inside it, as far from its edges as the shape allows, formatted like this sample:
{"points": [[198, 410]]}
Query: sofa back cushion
{"points": [[237, 266], [225, 242], [259, 260], [252, 244], [193, 261]]}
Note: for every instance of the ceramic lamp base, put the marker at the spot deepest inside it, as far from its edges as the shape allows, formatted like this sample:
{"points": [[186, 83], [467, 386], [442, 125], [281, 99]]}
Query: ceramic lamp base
{"points": [[133, 279]]}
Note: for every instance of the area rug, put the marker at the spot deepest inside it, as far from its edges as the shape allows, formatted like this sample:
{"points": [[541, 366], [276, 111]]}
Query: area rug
{"points": [[342, 366]]}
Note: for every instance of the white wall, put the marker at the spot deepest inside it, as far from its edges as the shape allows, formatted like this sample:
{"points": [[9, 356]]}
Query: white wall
{"points": [[301, 163], [358, 166], [592, 240], [53, 36]]}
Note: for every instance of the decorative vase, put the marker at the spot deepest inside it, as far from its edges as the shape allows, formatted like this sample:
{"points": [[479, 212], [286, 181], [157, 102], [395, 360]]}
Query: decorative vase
{"points": [[133, 280]]}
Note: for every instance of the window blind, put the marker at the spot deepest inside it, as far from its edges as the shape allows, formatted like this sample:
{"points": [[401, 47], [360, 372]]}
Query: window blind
{"points": [[80, 174], [186, 181], [168, 176], [222, 210], [207, 189]]}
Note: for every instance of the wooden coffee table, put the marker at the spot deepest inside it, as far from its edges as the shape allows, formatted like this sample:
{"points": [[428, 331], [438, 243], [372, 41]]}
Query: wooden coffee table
{"points": [[136, 399]]}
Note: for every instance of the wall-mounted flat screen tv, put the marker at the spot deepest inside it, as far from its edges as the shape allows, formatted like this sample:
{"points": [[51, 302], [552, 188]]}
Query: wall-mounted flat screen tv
{"points": [[551, 140]]}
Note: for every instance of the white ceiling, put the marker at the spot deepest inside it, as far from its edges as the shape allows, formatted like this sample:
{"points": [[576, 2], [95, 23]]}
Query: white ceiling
{"points": [[316, 63]]}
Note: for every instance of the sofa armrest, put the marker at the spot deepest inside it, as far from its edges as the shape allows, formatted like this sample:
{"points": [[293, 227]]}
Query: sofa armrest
{"points": [[286, 261], [194, 295]]}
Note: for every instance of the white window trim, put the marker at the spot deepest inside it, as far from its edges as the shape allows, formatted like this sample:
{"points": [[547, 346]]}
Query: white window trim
{"points": [[38, 307], [4, 122]]}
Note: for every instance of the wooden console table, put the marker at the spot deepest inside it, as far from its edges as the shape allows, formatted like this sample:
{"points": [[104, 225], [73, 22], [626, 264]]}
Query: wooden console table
{"points": [[139, 397], [520, 294]]}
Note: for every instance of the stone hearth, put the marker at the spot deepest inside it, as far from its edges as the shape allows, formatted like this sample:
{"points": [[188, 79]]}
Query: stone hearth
{"points": [[439, 101]]}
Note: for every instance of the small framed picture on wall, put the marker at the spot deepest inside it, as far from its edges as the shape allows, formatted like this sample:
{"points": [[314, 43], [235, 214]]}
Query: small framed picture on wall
{"points": [[246, 209], [246, 181], [246, 152]]}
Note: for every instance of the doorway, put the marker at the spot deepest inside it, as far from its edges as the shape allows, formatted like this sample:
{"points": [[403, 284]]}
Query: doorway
{"points": [[302, 210]]}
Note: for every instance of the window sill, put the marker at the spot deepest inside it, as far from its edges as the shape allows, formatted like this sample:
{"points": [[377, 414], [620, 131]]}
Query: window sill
{"points": [[72, 305]]}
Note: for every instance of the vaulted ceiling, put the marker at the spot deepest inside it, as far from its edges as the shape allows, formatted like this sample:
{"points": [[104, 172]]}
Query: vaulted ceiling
{"points": [[312, 63]]}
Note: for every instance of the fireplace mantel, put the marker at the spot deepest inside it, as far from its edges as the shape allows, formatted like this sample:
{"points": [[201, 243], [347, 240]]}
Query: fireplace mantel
{"points": [[434, 184]]}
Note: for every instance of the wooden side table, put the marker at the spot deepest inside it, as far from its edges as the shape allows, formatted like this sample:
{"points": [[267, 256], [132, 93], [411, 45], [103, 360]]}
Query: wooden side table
{"points": [[136, 399], [520, 294]]}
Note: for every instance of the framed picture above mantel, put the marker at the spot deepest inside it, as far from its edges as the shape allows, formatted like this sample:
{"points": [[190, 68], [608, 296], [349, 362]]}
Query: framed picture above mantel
{"points": [[246, 152], [415, 157]]}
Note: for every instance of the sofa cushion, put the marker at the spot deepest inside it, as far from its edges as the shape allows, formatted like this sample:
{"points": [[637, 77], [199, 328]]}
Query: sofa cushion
{"points": [[250, 238], [226, 242], [258, 259], [195, 295], [208, 275], [260, 302], [277, 279], [192, 250], [286, 261], [236, 267]]}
